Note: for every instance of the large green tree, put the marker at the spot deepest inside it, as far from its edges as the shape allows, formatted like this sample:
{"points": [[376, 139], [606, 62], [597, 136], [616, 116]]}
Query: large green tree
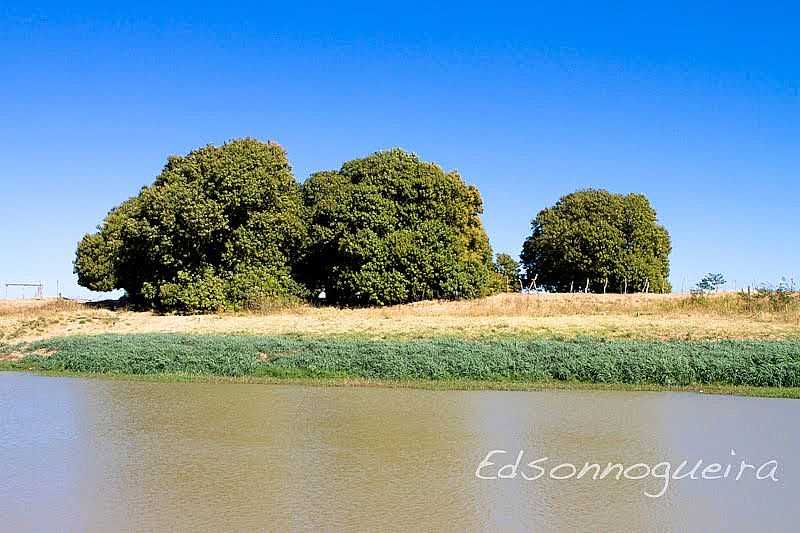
{"points": [[219, 228], [390, 228], [612, 240]]}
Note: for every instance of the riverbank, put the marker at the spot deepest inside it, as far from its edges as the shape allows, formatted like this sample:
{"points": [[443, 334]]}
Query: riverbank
{"points": [[768, 368], [440, 385]]}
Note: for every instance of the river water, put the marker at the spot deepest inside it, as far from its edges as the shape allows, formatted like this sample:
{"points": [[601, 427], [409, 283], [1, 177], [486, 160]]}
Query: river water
{"points": [[86, 454]]}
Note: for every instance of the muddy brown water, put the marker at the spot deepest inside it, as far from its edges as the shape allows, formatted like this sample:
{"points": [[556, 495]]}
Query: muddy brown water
{"points": [[99, 455]]}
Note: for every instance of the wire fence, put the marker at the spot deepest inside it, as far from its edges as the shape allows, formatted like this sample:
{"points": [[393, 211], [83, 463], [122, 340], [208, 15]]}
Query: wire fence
{"points": [[23, 290]]}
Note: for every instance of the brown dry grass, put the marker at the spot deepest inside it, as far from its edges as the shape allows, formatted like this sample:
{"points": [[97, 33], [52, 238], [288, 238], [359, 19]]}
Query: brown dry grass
{"points": [[639, 316]]}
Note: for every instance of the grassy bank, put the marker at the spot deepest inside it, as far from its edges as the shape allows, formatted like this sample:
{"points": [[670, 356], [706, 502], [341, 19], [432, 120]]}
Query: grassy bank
{"points": [[670, 317], [498, 363]]}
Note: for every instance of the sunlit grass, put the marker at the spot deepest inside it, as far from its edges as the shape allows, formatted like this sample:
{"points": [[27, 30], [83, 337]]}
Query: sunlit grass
{"points": [[539, 316]]}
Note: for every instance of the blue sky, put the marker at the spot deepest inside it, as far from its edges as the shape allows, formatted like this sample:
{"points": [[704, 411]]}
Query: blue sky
{"points": [[698, 107]]}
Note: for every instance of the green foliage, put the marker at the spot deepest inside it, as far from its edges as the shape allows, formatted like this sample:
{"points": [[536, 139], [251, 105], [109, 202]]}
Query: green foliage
{"points": [[220, 228], [711, 282], [390, 229], [753, 363], [600, 236], [99, 255], [509, 272]]}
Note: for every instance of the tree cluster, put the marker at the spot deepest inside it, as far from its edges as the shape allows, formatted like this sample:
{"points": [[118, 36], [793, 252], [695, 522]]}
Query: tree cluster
{"points": [[230, 227]]}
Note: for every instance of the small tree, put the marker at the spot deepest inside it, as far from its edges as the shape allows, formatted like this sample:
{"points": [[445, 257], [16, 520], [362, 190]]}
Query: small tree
{"points": [[508, 269], [711, 282]]}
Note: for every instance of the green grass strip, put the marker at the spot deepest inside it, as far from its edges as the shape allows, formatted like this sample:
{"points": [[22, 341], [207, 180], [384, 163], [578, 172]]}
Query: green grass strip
{"points": [[678, 363]]}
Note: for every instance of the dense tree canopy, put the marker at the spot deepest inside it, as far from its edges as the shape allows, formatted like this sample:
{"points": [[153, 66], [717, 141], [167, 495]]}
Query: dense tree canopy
{"points": [[219, 228], [390, 229], [612, 240]]}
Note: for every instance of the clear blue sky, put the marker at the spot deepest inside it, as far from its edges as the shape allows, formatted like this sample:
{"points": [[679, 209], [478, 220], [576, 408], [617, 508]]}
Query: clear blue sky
{"points": [[696, 105]]}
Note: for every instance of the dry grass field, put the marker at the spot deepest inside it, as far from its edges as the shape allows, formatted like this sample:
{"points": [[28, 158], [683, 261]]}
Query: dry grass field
{"points": [[545, 316]]}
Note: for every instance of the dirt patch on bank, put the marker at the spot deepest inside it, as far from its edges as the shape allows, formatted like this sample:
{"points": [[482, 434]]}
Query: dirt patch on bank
{"points": [[17, 355]]}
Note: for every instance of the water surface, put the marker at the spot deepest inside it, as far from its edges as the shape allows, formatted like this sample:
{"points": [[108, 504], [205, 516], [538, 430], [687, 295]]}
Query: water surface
{"points": [[85, 454]]}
